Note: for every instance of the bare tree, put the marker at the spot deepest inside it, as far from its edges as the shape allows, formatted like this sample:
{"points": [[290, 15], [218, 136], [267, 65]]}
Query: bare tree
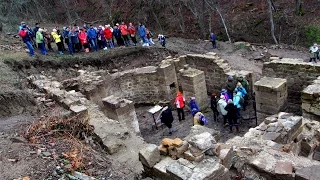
{"points": [[222, 19], [270, 5]]}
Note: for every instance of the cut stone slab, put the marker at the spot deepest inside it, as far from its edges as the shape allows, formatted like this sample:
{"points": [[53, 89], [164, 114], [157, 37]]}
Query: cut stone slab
{"points": [[271, 136], [308, 173], [179, 171], [208, 169], [201, 129], [284, 168], [269, 84], [189, 156], [226, 156], [149, 155], [160, 167]]}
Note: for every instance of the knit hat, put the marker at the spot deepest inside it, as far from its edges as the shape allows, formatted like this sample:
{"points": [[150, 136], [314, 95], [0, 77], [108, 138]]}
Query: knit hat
{"points": [[230, 77], [224, 90], [222, 97], [54, 30], [193, 98]]}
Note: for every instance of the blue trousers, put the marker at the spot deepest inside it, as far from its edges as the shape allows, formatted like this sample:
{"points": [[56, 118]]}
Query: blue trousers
{"points": [[30, 47], [70, 47], [94, 44], [42, 48]]}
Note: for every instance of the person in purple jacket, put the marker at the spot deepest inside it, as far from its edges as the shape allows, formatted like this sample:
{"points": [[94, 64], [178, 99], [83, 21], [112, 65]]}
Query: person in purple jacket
{"points": [[101, 38]]}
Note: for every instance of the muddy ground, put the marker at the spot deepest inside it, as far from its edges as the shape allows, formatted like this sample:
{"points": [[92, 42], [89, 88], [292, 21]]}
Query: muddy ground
{"points": [[18, 158]]}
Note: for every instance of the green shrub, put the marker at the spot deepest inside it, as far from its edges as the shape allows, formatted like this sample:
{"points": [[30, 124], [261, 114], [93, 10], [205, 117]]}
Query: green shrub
{"points": [[312, 33]]}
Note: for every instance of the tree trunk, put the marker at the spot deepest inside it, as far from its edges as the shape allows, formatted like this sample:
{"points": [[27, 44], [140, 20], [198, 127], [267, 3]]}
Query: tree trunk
{"points": [[222, 19], [271, 21], [298, 5]]}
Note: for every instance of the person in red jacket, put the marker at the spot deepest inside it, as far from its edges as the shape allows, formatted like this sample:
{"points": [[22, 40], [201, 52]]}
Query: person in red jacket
{"points": [[180, 103], [132, 32], [83, 39], [124, 32], [108, 35]]}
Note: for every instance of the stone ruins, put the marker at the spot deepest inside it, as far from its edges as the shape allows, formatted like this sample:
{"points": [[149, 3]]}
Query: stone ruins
{"points": [[285, 145]]}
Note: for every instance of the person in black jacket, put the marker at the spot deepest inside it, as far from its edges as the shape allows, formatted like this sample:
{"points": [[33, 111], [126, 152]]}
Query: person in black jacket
{"points": [[167, 118], [213, 102], [232, 115]]}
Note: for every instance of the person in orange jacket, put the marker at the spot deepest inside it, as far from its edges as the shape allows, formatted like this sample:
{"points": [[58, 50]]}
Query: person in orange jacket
{"points": [[180, 103], [124, 32], [84, 39]]}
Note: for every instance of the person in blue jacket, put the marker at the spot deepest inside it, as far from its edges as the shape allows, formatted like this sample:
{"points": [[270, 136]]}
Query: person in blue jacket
{"points": [[92, 36], [241, 89], [143, 33], [236, 101], [117, 34], [193, 105]]}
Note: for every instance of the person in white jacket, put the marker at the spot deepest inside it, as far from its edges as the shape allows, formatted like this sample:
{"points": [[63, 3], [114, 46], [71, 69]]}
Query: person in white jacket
{"points": [[220, 107]]}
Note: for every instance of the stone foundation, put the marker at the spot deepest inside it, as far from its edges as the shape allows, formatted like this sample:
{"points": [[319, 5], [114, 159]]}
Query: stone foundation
{"points": [[121, 110], [193, 84], [298, 74], [271, 96], [311, 101]]}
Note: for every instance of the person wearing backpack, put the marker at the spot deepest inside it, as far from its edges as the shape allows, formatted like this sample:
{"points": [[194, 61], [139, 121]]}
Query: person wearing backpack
{"points": [[132, 33], [26, 37], [167, 118], [57, 40], [149, 36], [199, 118], [232, 115], [193, 105], [243, 87]]}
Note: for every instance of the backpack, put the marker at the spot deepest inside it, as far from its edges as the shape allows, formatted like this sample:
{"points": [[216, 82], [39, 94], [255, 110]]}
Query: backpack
{"points": [[203, 120], [241, 102], [22, 34]]}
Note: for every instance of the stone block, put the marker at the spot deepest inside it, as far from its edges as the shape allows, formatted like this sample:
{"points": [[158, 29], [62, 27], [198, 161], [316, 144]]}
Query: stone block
{"points": [[178, 171], [316, 154], [167, 142], [226, 156], [202, 141], [163, 150], [189, 156], [183, 148], [177, 142], [186, 163], [273, 136], [284, 168], [160, 168], [150, 155], [201, 129], [307, 173], [81, 112], [268, 84], [208, 169], [113, 146], [214, 151]]}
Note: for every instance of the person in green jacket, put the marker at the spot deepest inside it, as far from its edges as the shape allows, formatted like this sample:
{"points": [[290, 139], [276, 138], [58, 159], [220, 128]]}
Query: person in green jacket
{"points": [[40, 41]]}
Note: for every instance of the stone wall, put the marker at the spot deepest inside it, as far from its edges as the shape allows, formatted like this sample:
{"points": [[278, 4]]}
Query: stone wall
{"points": [[311, 101], [271, 96], [216, 70], [299, 75]]}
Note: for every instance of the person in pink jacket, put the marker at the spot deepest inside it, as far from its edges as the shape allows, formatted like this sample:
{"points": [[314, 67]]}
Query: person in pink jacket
{"points": [[124, 32]]}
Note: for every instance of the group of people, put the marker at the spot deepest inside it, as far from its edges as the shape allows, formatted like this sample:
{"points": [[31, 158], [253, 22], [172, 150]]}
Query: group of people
{"points": [[87, 38], [230, 102]]}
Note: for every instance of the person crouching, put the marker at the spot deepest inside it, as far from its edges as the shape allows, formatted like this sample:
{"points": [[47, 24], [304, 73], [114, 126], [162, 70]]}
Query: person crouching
{"points": [[199, 118]]}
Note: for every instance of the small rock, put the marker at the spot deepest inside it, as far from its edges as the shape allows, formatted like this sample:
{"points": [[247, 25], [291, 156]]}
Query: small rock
{"points": [[47, 154], [18, 140]]}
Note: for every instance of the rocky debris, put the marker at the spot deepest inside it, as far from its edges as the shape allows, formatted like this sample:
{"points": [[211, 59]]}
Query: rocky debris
{"points": [[149, 155], [226, 156]]}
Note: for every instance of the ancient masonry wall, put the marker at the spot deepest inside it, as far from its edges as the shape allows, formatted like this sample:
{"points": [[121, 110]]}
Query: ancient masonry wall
{"points": [[271, 96], [216, 70], [311, 101], [298, 74]]}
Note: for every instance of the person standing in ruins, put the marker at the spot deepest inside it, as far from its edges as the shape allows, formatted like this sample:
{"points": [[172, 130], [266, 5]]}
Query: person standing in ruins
{"points": [[213, 102], [132, 32], [231, 85], [180, 103], [193, 105], [314, 51], [92, 36], [143, 33], [232, 115], [108, 36], [237, 95], [222, 103], [84, 39], [167, 118], [117, 34]]}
